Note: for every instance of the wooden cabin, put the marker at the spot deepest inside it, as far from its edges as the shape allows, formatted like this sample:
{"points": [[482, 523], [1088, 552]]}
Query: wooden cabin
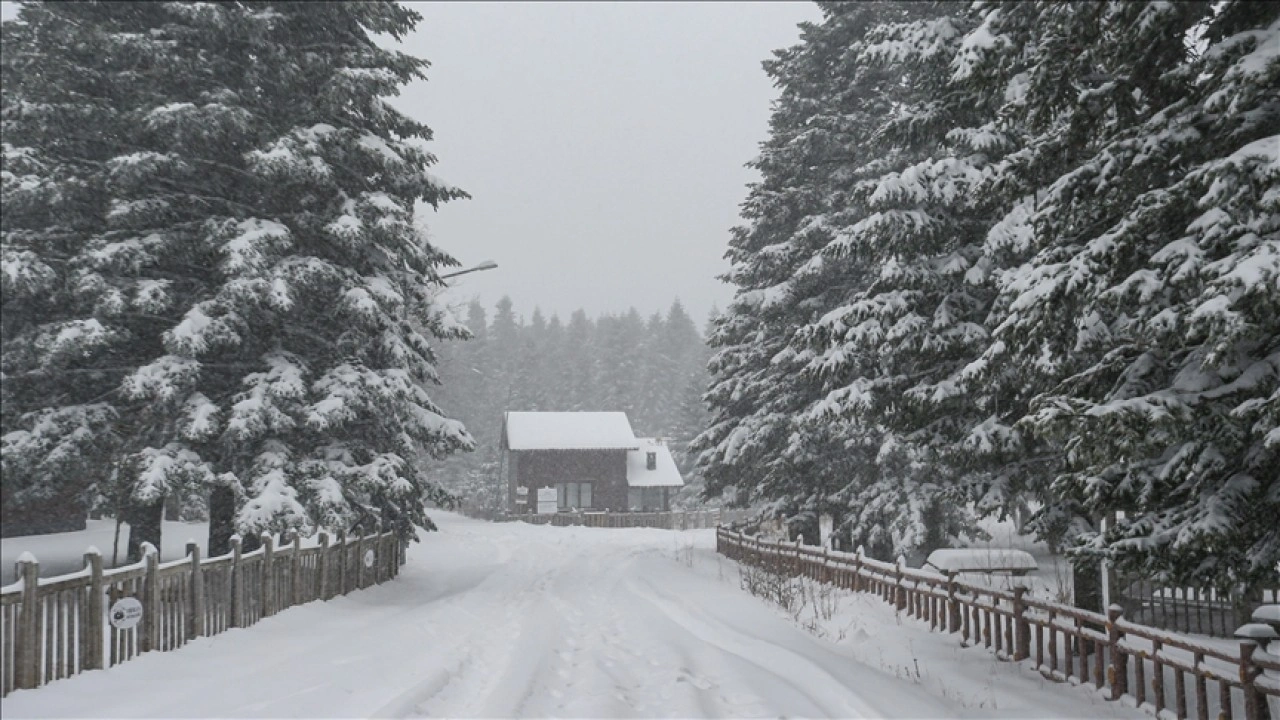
{"points": [[592, 460]]}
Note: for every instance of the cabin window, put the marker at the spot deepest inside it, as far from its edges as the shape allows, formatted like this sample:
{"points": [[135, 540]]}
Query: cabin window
{"points": [[651, 461], [573, 495], [645, 499]]}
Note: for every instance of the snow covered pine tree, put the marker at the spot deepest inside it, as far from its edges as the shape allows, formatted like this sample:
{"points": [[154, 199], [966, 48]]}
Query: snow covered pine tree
{"points": [[241, 278], [1153, 289]]}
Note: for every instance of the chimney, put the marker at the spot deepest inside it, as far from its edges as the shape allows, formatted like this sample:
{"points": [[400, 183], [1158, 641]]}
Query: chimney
{"points": [[651, 461]]}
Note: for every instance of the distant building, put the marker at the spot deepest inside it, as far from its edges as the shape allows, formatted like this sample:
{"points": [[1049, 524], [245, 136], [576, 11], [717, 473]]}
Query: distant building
{"points": [[593, 460]]}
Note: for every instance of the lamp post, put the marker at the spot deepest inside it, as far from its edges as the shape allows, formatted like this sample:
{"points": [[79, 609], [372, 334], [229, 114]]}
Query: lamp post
{"points": [[486, 265]]}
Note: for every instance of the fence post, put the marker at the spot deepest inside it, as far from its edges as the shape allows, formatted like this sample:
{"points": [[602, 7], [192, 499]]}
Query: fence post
{"points": [[322, 566], [237, 602], [151, 600], [195, 626], [857, 570], [27, 649], [268, 575], [95, 639], [1118, 673], [953, 604], [1021, 628], [900, 593], [1249, 672], [341, 552], [359, 560], [296, 570]]}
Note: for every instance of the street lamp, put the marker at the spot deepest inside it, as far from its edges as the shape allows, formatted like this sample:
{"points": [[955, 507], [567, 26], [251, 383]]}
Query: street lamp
{"points": [[486, 265]]}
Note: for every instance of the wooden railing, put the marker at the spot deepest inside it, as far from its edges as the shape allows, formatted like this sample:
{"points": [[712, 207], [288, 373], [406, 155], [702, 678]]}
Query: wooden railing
{"points": [[52, 628], [678, 520], [1158, 670]]}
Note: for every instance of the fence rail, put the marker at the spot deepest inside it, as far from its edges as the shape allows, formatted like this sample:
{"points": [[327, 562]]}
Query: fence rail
{"points": [[1161, 671], [52, 628], [690, 520]]}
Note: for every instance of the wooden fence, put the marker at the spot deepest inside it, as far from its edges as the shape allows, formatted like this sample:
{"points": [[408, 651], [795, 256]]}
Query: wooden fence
{"points": [[52, 628], [1203, 611], [1164, 672], [691, 520]]}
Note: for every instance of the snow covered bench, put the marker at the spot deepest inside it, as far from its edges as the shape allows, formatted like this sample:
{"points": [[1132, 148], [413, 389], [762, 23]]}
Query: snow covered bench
{"points": [[982, 560]]}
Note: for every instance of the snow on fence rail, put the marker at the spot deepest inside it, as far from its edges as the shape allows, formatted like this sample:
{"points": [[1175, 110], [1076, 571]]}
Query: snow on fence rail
{"points": [[691, 520], [1166, 673], [52, 628]]}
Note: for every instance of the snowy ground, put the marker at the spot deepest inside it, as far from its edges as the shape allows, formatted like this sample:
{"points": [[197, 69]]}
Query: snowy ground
{"points": [[512, 620]]}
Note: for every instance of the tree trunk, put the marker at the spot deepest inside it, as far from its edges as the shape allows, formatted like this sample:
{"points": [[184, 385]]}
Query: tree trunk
{"points": [[145, 523], [222, 516]]}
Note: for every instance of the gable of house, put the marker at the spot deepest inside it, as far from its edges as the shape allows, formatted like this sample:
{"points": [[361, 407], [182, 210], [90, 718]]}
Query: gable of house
{"points": [[651, 465]]}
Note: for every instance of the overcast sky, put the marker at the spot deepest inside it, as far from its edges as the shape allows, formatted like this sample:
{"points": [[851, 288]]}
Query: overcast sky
{"points": [[602, 143]]}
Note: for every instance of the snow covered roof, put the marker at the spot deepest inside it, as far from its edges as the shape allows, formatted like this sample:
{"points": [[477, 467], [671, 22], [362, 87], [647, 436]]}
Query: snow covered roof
{"points": [[569, 431], [665, 472], [981, 560]]}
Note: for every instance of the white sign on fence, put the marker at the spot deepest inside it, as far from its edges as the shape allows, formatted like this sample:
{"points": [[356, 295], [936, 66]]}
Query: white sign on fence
{"points": [[368, 558], [125, 613], [546, 500]]}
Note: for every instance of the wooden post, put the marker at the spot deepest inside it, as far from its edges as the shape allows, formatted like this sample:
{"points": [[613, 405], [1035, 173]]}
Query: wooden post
{"points": [[151, 600], [1119, 671], [27, 646], [1249, 672], [268, 575], [322, 565], [342, 563], [857, 570], [359, 560], [1021, 628], [900, 593], [195, 625], [296, 570], [953, 604], [95, 631], [237, 602]]}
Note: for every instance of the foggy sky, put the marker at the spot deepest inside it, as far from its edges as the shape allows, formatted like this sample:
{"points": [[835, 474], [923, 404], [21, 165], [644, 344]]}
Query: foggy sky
{"points": [[602, 143]]}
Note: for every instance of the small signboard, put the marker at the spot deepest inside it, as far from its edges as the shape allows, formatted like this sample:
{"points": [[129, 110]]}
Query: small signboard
{"points": [[368, 558], [522, 495], [125, 613], [546, 500]]}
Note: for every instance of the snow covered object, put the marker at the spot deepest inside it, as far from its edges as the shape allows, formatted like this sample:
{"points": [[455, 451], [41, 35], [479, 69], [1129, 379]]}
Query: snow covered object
{"points": [[250, 272], [1152, 293]]}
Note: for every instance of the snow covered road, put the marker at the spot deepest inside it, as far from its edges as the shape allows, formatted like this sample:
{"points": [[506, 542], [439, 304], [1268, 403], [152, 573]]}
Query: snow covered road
{"points": [[514, 620]]}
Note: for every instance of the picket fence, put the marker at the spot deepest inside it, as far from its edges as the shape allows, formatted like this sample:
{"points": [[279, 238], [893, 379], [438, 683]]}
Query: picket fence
{"points": [[52, 628], [678, 520], [1163, 672]]}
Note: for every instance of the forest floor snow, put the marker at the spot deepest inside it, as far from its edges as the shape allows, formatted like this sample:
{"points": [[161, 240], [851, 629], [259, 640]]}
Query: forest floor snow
{"points": [[514, 620]]}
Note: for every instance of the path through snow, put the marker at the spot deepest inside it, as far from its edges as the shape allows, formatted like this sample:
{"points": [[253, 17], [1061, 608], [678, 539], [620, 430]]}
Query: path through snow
{"points": [[513, 620]]}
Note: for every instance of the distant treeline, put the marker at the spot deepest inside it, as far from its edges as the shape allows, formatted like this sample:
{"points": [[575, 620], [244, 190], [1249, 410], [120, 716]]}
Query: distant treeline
{"points": [[653, 369]]}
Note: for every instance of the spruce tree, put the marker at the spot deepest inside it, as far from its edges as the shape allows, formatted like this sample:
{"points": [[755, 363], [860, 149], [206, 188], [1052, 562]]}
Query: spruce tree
{"points": [[1152, 287], [254, 268]]}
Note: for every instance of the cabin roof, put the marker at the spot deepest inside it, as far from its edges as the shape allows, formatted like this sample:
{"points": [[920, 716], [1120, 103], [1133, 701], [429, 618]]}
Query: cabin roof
{"points": [[568, 431], [666, 474]]}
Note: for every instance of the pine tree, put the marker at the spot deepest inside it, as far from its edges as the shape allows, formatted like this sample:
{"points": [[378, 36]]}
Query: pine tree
{"points": [[759, 443], [251, 262], [1152, 288]]}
